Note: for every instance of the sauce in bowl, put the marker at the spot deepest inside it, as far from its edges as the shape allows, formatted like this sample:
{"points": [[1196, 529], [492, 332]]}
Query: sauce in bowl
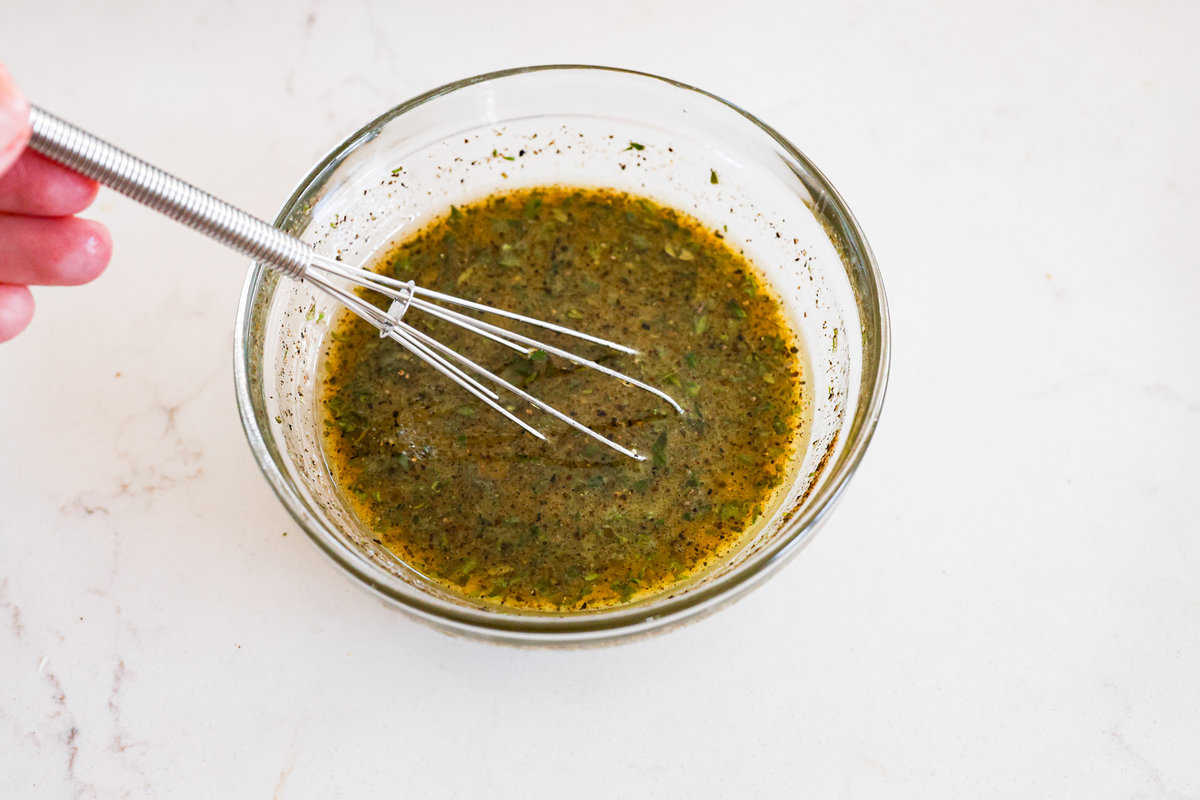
{"points": [[483, 508]]}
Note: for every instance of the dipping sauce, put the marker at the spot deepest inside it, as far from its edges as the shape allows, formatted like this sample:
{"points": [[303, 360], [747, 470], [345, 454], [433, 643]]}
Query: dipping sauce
{"points": [[473, 502]]}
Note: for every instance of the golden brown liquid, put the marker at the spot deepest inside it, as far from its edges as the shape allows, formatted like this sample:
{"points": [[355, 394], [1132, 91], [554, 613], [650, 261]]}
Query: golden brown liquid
{"points": [[472, 501]]}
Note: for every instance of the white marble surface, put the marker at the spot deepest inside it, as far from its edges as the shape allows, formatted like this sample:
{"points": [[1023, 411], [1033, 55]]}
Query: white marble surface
{"points": [[1006, 604]]}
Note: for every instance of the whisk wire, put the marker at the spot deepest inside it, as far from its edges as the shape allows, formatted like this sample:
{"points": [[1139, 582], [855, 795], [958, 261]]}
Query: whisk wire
{"points": [[475, 324], [402, 334], [473, 386], [529, 398], [439, 356]]}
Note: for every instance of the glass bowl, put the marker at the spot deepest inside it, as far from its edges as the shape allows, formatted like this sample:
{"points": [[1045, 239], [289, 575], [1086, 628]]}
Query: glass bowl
{"points": [[570, 125]]}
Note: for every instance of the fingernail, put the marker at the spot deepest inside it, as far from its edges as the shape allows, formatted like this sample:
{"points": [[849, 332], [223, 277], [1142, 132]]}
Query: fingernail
{"points": [[14, 113]]}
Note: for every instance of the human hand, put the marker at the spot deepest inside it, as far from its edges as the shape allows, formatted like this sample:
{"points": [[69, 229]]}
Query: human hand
{"points": [[41, 243]]}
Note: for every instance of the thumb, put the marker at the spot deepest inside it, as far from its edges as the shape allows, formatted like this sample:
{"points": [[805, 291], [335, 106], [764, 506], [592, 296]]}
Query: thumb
{"points": [[14, 121]]}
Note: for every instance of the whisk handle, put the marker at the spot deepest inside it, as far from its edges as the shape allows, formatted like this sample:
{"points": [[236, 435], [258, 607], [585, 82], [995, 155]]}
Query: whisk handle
{"points": [[113, 167]]}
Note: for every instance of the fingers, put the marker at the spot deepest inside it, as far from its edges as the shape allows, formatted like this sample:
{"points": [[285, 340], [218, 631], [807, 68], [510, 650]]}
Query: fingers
{"points": [[16, 309], [14, 121], [39, 242], [36, 185], [63, 251]]}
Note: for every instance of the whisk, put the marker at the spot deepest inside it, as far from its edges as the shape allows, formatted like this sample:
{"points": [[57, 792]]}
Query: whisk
{"points": [[109, 165]]}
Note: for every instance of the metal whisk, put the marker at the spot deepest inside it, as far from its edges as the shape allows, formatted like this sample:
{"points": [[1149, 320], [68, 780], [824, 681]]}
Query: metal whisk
{"points": [[182, 202]]}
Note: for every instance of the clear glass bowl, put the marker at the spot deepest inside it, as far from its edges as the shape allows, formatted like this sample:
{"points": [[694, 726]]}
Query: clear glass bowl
{"points": [[570, 125]]}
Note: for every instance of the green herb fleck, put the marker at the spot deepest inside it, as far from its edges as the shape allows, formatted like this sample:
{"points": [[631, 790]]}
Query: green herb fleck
{"points": [[625, 589], [508, 256], [467, 567], [659, 450], [636, 146], [712, 176]]}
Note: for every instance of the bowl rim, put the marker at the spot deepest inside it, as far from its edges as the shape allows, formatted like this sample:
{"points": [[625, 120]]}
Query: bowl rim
{"points": [[618, 622]]}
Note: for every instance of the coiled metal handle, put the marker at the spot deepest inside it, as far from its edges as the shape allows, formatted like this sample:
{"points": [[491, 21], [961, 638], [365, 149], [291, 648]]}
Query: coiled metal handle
{"points": [[113, 167]]}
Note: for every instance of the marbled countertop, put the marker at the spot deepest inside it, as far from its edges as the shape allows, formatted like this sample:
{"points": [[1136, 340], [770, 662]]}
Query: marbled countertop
{"points": [[1006, 603]]}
